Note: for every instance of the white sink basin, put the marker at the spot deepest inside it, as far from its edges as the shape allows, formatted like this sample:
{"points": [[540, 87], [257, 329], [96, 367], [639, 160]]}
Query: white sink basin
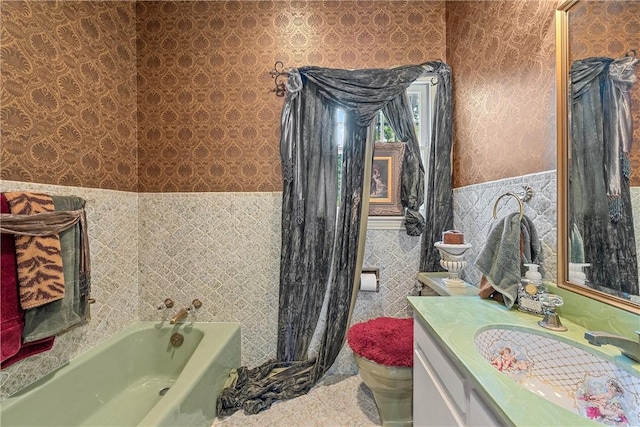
{"points": [[566, 375]]}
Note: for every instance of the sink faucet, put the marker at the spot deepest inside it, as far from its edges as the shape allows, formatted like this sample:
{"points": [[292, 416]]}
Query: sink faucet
{"points": [[181, 315], [551, 319], [627, 346]]}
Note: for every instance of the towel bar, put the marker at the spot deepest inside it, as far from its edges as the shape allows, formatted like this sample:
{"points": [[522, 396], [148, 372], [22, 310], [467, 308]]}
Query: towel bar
{"points": [[495, 206]]}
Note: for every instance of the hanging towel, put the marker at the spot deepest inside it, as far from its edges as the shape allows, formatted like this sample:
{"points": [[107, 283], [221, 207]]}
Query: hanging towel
{"points": [[511, 243], [39, 259], [29, 349], [55, 317], [10, 312], [11, 315]]}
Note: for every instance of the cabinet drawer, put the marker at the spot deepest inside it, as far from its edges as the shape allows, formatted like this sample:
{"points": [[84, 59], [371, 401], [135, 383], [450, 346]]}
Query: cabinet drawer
{"points": [[446, 372]]}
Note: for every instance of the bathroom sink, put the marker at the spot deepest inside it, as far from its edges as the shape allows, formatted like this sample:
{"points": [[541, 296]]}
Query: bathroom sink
{"points": [[565, 374]]}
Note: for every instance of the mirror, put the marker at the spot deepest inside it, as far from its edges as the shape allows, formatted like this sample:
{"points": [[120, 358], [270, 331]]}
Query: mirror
{"points": [[598, 116]]}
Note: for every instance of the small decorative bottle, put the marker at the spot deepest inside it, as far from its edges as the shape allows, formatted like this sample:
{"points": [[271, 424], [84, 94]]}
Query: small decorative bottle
{"points": [[530, 290]]}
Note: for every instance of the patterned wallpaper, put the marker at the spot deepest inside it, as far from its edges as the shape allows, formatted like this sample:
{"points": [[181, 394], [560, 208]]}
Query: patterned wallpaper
{"points": [[502, 57], [207, 119], [188, 107], [611, 29], [69, 93]]}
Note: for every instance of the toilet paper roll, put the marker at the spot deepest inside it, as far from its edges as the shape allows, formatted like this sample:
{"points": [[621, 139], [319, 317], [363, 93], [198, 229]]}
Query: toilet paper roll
{"points": [[368, 282]]}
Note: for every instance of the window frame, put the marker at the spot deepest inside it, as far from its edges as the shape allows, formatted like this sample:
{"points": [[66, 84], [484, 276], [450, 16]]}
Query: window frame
{"points": [[425, 89]]}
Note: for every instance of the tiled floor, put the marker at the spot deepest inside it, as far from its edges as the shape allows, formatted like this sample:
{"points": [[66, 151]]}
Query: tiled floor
{"points": [[336, 401]]}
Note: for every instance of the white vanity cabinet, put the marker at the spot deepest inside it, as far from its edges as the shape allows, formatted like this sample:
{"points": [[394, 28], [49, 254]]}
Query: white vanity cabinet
{"points": [[442, 395]]}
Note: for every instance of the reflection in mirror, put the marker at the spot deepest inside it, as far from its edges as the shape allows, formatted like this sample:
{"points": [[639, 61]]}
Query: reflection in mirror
{"points": [[599, 118]]}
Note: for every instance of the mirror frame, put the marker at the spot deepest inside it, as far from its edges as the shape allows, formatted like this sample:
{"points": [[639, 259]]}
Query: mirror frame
{"points": [[562, 121]]}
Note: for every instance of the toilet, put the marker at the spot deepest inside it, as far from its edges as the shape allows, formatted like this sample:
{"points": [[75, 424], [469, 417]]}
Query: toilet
{"points": [[383, 351]]}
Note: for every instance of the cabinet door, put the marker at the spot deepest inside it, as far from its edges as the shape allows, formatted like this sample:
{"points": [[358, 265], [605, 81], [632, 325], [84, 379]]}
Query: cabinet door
{"points": [[431, 405], [479, 414]]}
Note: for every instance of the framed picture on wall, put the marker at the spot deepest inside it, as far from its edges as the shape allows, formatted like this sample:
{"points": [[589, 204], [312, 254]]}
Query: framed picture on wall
{"points": [[384, 194]]}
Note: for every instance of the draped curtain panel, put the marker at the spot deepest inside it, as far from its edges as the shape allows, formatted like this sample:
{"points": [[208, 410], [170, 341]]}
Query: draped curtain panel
{"points": [[439, 192], [320, 241], [308, 225], [599, 197], [411, 195], [309, 205]]}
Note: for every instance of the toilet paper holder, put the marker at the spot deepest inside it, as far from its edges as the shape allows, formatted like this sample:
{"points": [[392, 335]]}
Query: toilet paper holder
{"points": [[365, 279]]}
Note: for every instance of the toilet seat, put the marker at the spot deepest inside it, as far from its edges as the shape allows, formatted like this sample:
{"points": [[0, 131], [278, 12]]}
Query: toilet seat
{"points": [[387, 341]]}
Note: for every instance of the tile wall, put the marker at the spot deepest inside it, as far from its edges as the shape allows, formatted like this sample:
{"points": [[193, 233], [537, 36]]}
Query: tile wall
{"points": [[223, 248], [473, 215], [112, 218]]}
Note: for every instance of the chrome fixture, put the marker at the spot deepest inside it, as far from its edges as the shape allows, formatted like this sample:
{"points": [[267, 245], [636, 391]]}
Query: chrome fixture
{"points": [[196, 303], [551, 319], [627, 346], [181, 315]]}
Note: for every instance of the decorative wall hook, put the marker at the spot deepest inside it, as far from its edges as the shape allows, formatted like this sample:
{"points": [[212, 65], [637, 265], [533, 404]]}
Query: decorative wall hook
{"points": [[279, 73], [528, 193]]}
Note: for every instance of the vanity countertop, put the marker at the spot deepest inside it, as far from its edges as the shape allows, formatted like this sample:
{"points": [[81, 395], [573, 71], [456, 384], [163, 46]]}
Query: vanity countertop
{"points": [[454, 322]]}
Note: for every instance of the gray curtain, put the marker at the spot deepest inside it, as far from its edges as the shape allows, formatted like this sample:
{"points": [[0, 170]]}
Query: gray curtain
{"points": [[439, 193], [308, 153], [599, 197], [319, 248], [411, 195]]}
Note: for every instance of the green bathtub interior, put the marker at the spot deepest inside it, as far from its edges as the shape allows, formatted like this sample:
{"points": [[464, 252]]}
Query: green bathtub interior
{"points": [[118, 383]]}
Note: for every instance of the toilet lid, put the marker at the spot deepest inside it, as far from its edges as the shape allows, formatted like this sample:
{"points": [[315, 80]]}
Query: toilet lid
{"points": [[383, 340]]}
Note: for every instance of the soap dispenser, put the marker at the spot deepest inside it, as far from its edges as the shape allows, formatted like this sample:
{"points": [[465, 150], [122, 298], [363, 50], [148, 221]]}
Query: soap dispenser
{"points": [[530, 289]]}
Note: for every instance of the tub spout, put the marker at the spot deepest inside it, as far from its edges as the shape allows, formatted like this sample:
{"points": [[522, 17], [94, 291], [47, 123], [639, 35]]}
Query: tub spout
{"points": [[627, 346], [180, 316]]}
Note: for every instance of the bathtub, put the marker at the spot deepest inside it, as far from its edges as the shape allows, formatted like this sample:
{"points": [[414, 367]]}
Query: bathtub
{"points": [[135, 378]]}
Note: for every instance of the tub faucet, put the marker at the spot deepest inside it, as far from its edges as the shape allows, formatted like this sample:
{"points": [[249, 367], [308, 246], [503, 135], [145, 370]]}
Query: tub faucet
{"points": [[627, 346], [180, 316]]}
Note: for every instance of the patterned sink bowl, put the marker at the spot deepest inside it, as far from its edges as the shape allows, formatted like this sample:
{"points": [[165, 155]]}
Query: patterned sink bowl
{"points": [[564, 374]]}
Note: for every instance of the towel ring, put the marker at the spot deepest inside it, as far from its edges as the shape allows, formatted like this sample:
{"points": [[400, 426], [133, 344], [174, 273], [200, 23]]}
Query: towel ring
{"points": [[495, 206]]}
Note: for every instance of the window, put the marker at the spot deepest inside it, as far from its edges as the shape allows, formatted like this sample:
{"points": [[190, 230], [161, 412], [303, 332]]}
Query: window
{"points": [[421, 98]]}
